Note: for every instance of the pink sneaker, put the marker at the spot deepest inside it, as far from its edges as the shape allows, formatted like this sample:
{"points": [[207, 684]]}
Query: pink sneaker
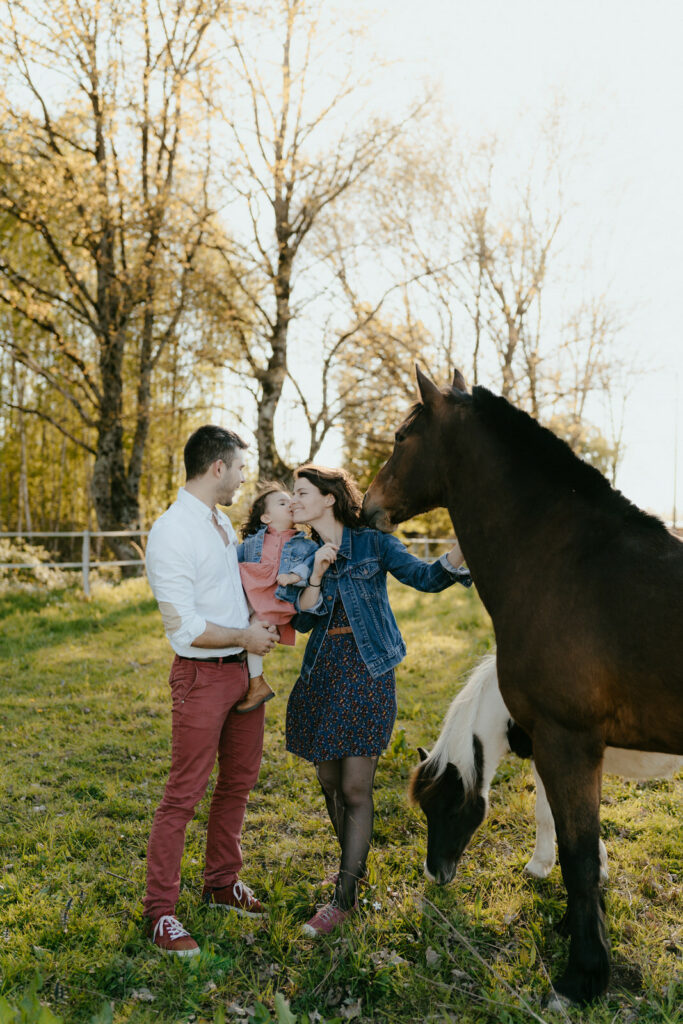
{"points": [[326, 919]]}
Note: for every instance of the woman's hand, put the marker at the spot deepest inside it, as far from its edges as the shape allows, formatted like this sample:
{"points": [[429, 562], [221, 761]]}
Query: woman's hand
{"points": [[324, 557], [455, 555]]}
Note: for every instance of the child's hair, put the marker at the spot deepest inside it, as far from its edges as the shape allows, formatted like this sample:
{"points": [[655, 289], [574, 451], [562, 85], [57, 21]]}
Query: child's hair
{"points": [[252, 524]]}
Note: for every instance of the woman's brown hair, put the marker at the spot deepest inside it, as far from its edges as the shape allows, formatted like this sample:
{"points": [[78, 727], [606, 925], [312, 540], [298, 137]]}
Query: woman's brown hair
{"points": [[252, 524], [347, 496]]}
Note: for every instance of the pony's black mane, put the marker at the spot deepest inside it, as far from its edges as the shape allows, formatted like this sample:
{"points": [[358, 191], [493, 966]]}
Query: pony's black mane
{"points": [[529, 442]]}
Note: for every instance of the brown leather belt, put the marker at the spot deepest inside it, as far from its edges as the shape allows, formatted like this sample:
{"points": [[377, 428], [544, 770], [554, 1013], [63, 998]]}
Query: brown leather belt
{"points": [[339, 630], [225, 659]]}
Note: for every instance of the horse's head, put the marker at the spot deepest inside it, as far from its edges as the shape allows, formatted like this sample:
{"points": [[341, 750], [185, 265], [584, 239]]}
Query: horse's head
{"points": [[453, 814], [412, 479]]}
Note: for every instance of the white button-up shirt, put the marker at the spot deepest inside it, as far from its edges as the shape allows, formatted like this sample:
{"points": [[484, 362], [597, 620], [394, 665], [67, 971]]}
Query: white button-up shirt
{"points": [[194, 575]]}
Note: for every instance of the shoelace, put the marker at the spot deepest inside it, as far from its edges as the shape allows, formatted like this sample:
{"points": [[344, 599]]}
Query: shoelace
{"points": [[327, 911], [173, 927], [239, 890]]}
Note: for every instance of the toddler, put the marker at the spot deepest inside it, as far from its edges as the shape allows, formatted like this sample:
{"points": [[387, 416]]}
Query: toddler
{"points": [[275, 560]]}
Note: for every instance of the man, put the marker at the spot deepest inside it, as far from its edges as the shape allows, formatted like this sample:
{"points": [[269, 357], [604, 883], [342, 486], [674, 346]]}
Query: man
{"points": [[193, 571]]}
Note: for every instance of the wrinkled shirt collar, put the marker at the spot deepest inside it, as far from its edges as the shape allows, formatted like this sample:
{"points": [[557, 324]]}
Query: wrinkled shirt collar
{"points": [[200, 509]]}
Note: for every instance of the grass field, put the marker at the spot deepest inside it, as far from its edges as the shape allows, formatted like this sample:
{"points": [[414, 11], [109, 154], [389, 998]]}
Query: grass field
{"points": [[84, 748]]}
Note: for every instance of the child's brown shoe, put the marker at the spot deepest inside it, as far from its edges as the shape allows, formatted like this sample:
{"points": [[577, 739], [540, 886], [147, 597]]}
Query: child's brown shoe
{"points": [[257, 694]]}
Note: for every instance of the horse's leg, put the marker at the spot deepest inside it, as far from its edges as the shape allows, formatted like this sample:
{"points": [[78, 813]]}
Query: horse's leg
{"points": [[604, 870], [543, 859], [570, 764]]}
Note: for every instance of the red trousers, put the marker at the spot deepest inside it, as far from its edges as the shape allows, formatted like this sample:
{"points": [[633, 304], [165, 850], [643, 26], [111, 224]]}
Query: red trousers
{"points": [[204, 726]]}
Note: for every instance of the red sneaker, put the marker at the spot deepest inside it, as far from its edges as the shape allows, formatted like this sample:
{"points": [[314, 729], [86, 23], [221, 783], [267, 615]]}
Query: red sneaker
{"points": [[237, 897], [169, 935], [326, 919]]}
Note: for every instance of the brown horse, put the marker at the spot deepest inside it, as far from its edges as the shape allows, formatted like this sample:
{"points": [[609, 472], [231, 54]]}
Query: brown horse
{"points": [[586, 596]]}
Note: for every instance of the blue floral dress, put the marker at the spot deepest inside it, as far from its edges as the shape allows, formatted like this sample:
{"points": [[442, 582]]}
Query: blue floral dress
{"points": [[340, 711]]}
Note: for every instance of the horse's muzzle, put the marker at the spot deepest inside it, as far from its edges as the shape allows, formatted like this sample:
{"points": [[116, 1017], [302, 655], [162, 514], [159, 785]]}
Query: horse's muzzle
{"points": [[444, 873], [375, 516]]}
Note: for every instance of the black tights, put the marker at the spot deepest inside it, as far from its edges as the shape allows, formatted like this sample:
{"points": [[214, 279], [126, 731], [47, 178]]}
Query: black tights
{"points": [[347, 786]]}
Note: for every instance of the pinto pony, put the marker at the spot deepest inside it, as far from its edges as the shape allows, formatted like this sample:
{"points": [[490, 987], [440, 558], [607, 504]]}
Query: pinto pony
{"points": [[585, 592], [451, 784]]}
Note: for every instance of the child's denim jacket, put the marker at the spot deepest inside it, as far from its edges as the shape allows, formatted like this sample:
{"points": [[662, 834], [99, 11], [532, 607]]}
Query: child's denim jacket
{"points": [[297, 556], [359, 579]]}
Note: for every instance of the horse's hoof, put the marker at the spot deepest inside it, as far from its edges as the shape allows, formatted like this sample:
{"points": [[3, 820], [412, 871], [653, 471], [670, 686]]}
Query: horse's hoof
{"points": [[537, 869], [584, 987], [557, 1003]]}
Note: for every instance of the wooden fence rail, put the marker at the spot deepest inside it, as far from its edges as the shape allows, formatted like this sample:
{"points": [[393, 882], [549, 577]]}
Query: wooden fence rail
{"points": [[422, 544], [86, 563]]}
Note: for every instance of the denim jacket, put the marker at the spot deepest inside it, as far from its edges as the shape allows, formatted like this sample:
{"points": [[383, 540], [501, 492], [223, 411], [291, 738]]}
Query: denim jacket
{"points": [[297, 556], [359, 578]]}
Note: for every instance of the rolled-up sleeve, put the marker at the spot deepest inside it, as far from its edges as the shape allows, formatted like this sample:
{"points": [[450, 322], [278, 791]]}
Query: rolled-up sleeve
{"points": [[302, 569], [430, 577], [171, 573], [461, 574]]}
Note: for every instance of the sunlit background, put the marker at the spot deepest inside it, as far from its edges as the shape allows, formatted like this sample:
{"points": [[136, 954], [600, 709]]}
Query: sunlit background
{"points": [[616, 69]]}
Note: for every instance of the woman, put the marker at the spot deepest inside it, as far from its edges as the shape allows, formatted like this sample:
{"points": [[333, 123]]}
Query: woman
{"points": [[343, 706]]}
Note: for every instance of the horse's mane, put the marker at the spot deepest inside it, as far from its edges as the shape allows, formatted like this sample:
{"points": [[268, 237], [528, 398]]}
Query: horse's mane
{"points": [[455, 742], [531, 444]]}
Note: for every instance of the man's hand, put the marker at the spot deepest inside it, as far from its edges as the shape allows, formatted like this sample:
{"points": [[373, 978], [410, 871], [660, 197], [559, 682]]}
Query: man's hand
{"points": [[260, 638], [287, 579]]}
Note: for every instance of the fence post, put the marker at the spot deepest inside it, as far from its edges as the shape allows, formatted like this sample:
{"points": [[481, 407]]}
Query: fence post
{"points": [[86, 563]]}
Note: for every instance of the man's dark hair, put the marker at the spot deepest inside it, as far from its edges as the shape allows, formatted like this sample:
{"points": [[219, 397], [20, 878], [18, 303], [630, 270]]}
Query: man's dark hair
{"points": [[208, 444]]}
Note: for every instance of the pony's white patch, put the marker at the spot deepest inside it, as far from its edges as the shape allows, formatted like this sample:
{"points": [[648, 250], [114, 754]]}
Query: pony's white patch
{"points": [[478, 710], [640, 764]]}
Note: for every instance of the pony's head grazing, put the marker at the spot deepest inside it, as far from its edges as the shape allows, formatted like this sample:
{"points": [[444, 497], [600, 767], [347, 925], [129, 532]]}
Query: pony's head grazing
{"points": [[451, 784], [453, 812]]}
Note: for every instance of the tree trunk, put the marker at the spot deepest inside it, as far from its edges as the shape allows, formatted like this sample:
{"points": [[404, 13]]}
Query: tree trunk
{"points": [[116, 504]]}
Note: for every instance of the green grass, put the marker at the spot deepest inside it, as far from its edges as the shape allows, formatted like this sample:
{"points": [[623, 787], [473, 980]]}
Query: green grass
{"points": [[84, 745]]}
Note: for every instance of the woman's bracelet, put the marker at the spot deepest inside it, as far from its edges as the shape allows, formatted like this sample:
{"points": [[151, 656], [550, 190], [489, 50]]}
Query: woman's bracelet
{"points": [[316, 585]]}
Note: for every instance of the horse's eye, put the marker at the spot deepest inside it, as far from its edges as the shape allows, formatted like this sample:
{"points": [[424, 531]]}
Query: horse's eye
{"points": [[399, 436]]}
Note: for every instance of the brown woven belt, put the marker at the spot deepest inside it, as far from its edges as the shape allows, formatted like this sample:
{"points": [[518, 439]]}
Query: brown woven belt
{"points": [[339, 630]]}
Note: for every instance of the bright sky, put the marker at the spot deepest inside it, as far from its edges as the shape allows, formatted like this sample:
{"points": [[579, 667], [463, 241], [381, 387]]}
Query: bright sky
{"points": [[619, 63]]}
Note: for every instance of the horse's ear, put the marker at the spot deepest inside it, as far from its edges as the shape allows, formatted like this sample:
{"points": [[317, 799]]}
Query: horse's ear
{"points": [[459, 381], [424, 754], [429, 393]]}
